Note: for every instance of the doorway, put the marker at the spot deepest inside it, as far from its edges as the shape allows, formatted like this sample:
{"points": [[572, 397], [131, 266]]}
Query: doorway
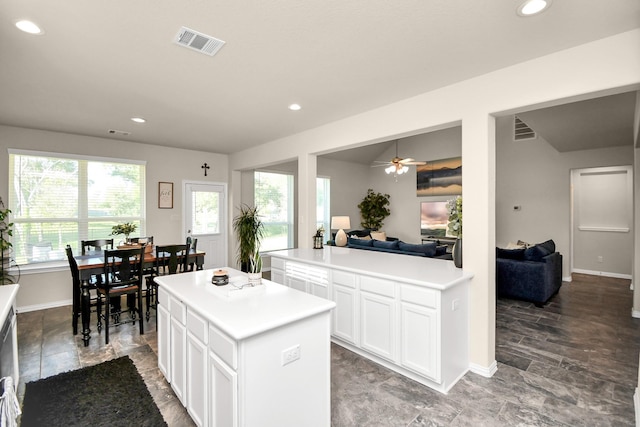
{"points": [[205, 219]]}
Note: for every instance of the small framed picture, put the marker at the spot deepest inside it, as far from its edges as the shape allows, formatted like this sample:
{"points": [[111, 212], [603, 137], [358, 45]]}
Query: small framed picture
{"points": [[165, 195]]}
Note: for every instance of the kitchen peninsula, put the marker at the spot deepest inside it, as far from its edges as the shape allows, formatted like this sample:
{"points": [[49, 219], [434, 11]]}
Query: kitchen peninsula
{"points": [[245, 356], [408, 313]]}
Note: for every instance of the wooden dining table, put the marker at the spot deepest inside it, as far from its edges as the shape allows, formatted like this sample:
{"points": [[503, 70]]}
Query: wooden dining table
{"points": [[93, 264]]}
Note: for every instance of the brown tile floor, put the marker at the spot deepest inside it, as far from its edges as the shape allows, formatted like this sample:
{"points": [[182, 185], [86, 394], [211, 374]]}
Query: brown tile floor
{"points": [[574, 362]]}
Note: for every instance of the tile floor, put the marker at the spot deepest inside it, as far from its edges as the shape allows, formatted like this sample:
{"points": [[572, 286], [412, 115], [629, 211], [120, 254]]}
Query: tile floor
{"points": [[574, 362]]}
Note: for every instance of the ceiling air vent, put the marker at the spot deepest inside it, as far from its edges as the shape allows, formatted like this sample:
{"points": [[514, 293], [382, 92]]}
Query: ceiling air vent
{"points": [[197, 41], [119, 132], [522, 132]]}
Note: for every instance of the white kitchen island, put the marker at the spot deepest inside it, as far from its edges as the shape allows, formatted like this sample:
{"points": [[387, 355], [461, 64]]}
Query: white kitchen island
{"points": [[256, 356], [405, 312]]}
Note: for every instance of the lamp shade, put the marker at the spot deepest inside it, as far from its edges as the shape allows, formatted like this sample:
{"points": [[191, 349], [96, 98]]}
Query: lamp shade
{"points": [[340, 222]]}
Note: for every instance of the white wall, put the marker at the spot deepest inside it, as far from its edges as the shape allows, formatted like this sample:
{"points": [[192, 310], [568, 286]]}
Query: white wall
{"points": [[534, 175], [163, 164], [605, 66]]}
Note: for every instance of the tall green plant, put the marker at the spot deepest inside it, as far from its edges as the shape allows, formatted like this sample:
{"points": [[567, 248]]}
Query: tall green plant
{"points": [[6, 231], [249, 231], [374, 209]]}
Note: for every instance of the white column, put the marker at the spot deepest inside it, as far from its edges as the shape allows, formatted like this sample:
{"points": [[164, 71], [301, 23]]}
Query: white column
{"points": [[307, 173], [478, 235]]}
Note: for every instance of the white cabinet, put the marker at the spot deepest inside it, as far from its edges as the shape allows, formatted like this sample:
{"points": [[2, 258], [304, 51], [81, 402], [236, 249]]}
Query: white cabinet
{"points": [[164, 332], [178, 359], [197, 338], [394, 320], [223, 386], [277, 271]]}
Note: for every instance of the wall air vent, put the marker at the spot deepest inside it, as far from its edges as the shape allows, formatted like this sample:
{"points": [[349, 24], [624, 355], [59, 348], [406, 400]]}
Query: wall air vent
{"points": [[522, 132], [197, 41], [119, 132]]}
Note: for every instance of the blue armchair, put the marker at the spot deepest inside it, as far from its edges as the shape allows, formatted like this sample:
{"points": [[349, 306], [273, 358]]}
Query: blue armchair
{"points": [[533, 274]]}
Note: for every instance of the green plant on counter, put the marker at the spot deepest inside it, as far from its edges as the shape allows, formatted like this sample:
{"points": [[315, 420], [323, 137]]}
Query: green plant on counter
{"points": [[249, 231], [455, 216], [6, 231], [126, 229], [255, 263]]}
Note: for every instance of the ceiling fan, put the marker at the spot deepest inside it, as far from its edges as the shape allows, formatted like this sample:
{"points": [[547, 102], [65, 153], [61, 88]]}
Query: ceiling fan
{"points": [[397, 165]]}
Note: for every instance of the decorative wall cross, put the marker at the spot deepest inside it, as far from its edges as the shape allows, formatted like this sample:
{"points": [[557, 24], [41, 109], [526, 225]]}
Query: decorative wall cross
{"points": [[205, 167]]}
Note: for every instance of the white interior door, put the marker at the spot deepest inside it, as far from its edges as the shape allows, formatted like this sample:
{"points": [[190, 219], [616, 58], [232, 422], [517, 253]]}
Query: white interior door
{"points": [[205, 218]]}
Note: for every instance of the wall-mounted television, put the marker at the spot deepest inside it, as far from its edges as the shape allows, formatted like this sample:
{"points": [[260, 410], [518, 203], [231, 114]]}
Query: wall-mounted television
{"points": [[434, 217]]}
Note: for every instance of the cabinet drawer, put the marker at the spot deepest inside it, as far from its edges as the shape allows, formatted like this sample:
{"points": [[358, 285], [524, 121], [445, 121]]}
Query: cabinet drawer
{"points": [[419, 296], [342, 278], [377, 286], [277, 263], [163, 297], [223, 346], [197, 326], [178, 310]]}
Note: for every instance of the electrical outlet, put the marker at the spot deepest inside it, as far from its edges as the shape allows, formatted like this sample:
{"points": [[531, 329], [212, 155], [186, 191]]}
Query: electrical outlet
{"points": [[600, 258], [290, 354]]}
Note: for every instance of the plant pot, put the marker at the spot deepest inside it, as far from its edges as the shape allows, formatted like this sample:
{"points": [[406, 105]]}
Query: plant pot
{"points": [[457, 252], [255, 278]]}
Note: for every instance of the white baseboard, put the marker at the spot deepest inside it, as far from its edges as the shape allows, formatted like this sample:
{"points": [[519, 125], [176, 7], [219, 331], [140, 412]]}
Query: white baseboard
{"points": [[635, 313], [484, 370], [603, 273], [567, 279], [36, 307]]}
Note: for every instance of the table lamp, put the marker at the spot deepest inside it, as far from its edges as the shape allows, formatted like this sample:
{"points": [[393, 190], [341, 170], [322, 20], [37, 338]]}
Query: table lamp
{"points": [[340, 223]]}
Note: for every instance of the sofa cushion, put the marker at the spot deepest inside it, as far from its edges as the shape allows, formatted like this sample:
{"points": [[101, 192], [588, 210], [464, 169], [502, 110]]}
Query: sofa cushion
{"points": [[536, 253], [385, 245], [510, 253], [359, 242], [428, 249]]}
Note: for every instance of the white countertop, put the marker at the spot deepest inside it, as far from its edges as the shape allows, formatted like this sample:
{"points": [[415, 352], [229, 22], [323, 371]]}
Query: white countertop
{"points": [[436, 273], [7, 297], [242, 313]]}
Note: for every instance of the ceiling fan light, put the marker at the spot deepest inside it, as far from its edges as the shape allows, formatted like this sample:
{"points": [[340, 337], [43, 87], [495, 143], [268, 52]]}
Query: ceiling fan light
{"points": [[390, 169]]}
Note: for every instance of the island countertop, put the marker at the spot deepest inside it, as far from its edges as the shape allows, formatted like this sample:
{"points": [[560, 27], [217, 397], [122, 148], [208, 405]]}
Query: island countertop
{"points": [[7, 296], [436, 273], [242, 313]]}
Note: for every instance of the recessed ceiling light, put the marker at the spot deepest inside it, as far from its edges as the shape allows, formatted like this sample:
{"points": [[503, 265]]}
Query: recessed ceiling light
{"points": [[294, 107], [138, 120], [29, 27], [533, 7]]}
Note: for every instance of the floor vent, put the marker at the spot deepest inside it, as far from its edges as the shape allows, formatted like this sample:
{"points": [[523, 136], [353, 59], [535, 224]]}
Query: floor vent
{"points": [[521, 131], [197, 41]]}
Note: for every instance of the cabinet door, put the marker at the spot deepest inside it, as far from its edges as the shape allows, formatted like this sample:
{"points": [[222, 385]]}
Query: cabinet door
{"points": [[197, 380], [178, 359], [277, 276], [163, 333], [419, 340], [344, 314], [223, 393], [296, 283], [378, 325], [319, 289]]}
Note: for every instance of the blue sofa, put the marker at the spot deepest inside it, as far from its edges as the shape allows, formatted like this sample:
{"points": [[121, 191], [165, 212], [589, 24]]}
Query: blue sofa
{"points": [[533, 274], [431, 249]]}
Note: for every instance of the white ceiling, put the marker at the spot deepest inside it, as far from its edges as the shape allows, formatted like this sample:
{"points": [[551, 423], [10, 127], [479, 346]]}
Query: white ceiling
{"points": [[100, 63]]}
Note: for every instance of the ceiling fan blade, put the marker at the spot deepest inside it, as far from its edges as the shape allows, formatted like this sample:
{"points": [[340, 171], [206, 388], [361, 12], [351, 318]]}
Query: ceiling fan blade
{"points": [[405, 161], [414, 163], [381, 164]]}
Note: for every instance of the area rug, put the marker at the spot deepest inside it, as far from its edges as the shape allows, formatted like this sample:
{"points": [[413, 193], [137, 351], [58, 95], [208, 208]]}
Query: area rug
{"points": [[108, 394]]}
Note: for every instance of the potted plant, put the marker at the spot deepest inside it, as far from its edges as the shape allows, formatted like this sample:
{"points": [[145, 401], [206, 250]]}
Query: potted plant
{"points": [[249, 231], [6, 231], [255, 269], [126, 229], [455, 228], [374, 209]]}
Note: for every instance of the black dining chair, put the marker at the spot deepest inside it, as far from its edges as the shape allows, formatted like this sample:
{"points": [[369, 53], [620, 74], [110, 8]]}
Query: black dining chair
{"points": [[142, 240], [95, 246], [75, 278], [170, 259], [193, 248], [122, 276]]}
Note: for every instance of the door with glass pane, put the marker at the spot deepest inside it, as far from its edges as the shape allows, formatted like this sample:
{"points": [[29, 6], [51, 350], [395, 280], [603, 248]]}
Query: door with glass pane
{"points": [[205, 219]]}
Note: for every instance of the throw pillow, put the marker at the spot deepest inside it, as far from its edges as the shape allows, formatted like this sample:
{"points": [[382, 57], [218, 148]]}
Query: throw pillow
{"points": [[535, 253], [379, 235], [385, 245], [549, 245], [511, 245]]}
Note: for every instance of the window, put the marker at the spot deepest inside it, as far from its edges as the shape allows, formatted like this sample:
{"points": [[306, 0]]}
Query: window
{"points": [[323, 204], [273, 196], [60, 199]]}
